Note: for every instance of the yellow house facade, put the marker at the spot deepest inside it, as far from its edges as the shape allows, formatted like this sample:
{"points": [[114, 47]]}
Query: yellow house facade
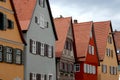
{"points": [[11, 44], [107, 70]]}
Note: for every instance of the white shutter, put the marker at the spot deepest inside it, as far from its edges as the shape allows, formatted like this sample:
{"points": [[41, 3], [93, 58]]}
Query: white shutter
{"points": [[85, 68], [42, 77], [49, 51], [94, 69], [91, 70], [92, 50], [42, 49]]}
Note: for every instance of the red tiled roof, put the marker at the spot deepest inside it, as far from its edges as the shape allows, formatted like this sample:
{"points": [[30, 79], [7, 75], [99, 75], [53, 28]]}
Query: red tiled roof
{"points": [[117, 39], [62, 26], [101, 30], [24, 10], [82, 37]]}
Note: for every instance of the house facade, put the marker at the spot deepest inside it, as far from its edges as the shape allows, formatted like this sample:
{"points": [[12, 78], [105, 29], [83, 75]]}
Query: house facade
{"points": [[38, 28], [64, 49], [106, 51], [86, 53], [117, 44], [11, 43]]}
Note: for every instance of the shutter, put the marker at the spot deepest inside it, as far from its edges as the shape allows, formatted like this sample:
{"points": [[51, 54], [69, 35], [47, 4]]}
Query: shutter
{"points": [[1, 53], [31, 41], [37, 44], [85, 68], [92, 50], [45, 77], [4, 53], [39, 48], [52, 52], [38, 76], [22, 57], [45, 49], [1, 21], [31, 76], [10, 24], [5, 25], [14, 55]]}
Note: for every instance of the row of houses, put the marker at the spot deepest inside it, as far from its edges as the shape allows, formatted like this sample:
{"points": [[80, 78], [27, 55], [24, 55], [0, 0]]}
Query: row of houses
{"points": [[34, 46]]}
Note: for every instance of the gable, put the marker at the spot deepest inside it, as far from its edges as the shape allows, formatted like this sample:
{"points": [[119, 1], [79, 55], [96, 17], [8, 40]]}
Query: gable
{"points": [[11, 29]]}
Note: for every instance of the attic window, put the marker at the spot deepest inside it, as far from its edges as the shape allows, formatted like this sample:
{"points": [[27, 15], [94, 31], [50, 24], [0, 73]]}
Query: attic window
{"points": [[42, 3], [109, 39], [10, 24]]}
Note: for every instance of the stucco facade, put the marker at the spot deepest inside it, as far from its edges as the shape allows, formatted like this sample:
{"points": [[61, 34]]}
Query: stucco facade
{"points": [[10, 70]]}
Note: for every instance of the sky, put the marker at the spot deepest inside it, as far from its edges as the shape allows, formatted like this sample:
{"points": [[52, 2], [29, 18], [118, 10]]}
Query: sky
{"points": [[88, 10]]}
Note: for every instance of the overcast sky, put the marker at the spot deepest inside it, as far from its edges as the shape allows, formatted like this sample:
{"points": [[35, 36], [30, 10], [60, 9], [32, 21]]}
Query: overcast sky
{"points": [[88, 10]]}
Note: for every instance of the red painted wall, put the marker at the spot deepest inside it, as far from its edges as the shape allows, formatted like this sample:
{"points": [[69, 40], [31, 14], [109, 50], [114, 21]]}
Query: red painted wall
{"points": [[90, 59]]}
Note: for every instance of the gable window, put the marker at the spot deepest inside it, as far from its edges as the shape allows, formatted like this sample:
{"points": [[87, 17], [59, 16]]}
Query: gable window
{"points": [[17, 56], [77, 68], [10, 24], [36, 20], [104, 68], [108, 51], [109, 39], [1, 53], [42, 3], [91, 49], [3, 21]]}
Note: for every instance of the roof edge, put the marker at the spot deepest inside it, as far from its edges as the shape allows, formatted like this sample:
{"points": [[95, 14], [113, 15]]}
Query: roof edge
{"points": [[19, 28]]}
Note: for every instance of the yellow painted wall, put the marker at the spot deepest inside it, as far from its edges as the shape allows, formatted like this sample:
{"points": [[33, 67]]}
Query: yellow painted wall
{"points": [[109, 61], [10, 71]]}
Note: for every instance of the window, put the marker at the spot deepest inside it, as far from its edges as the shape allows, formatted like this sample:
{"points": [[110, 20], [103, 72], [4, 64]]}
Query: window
{"points": [[3, 21], [18, 56], [91, 49], [108, 52], [32, 46], [50, 77], [36, 20], [1, 53], [91, 69], [113, 70], [104, 68], [38, 76], [33, 76], [10, 24], [42, 3], [109, 39], [42, 49], [42, 22], [77, 67], [8, 54]]}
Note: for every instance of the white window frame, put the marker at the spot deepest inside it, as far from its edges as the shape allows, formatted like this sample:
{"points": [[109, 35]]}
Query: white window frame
{"points": [[77, 66]]}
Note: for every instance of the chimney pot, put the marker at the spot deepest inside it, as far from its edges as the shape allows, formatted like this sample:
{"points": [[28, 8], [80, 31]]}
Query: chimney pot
{"points": [[75, 21]]}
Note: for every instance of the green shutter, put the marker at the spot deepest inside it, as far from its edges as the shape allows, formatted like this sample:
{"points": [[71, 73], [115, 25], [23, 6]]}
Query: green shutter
{"points": [[5, 23], [14, 55], [4, 54]]}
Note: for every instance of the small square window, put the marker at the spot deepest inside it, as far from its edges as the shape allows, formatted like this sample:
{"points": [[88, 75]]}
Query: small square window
{"points": [[77, 68]]}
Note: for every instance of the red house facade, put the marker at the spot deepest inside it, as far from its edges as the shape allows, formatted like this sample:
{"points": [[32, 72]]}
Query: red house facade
{"points": [[86, 53]]}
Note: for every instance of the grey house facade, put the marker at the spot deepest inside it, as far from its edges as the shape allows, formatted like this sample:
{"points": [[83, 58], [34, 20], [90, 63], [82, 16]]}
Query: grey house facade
{"points": [[40, 35]]}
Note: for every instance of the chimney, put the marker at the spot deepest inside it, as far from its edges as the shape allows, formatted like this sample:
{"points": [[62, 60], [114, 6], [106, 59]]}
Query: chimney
{"points": [[61, 16], [75, 21]]}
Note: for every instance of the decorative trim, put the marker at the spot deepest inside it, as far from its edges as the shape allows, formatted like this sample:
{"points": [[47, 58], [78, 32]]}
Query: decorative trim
{"points": [[7, 10], [10, 41]]}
